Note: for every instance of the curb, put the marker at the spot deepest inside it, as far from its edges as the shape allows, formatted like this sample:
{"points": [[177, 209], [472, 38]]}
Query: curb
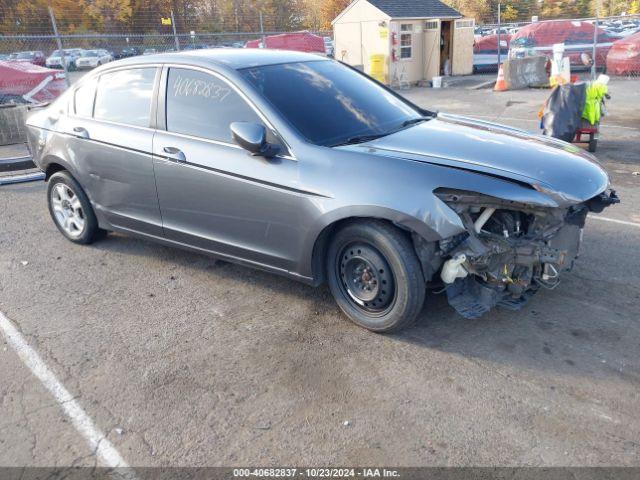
{"points": [[16, 163], [21, 178]]}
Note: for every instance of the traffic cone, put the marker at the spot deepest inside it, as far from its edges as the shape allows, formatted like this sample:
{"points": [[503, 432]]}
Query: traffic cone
{"points": [[501, 84]]}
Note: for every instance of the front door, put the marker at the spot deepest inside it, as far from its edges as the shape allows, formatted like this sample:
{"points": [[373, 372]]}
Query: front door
{"points": [[213, 194]]}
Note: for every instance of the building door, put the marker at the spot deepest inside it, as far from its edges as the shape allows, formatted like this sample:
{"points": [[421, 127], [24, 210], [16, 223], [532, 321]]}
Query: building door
{"points": [[431, 49], [445, 47], [462, 52]]}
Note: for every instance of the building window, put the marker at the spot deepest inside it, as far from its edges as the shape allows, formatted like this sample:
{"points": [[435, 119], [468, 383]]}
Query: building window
{"points": [[406, 39], [464, 23], [431, 25]]}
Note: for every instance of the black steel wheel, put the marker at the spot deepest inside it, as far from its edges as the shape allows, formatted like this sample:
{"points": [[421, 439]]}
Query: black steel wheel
{"points": [[375, 276], [366, 277]]}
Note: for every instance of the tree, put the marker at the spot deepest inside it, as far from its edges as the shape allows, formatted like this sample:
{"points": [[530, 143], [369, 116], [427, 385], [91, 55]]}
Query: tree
{"points": [[509, 14], [330, 9]]}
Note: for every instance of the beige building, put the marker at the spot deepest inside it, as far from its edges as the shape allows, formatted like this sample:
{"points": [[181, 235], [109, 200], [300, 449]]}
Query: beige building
{"points": [[404, 41]]}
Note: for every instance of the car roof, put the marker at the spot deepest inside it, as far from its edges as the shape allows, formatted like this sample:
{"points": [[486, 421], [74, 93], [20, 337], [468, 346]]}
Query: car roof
{"points": [[235, 58]]}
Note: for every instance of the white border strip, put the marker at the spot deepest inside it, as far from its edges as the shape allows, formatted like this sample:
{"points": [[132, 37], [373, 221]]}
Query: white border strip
{"points": [[107, 455], [613, 220]]}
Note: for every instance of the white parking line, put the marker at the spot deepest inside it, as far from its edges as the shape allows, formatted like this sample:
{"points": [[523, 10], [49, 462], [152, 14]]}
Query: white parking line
{"points": [[107, 455], [613, 220]]}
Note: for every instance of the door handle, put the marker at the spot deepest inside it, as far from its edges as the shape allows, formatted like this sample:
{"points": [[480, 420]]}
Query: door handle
{"points": [[81, 132], [175, 154]]}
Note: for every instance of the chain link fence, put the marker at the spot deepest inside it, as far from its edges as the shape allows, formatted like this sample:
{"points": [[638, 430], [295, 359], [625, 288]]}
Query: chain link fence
{"points": [[72, 42], [597, 44], [81, 38]]}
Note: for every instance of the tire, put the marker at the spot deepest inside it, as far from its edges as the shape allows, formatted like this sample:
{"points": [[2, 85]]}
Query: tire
{"points": [[71, 210], [375, 276], [593, 144]]}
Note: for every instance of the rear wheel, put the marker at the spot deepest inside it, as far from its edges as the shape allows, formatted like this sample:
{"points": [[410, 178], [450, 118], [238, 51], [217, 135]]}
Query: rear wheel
{"points": [[375, 276], [593, 143], [71, 210]]}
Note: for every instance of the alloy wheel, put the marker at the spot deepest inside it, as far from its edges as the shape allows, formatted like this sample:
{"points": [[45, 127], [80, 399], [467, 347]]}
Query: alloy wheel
{"points": [[68, 210]]}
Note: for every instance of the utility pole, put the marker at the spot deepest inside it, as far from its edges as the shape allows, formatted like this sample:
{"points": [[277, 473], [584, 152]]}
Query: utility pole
{"points": [[264, 40], [175, 35], [59, 42], [595, 41], [499, 45]]}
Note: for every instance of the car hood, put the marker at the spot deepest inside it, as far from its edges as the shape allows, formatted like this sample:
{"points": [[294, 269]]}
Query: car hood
{"points": [[560, 169]]}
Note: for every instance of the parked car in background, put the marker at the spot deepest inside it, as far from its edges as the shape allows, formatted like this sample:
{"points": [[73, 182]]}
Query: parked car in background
{"points": [[329, 46], [35, 57], [624, 56], [93, 58], [4, 56], [127, 52], [195, 46], [58, 58], [258, 157], [485, 52], [577, 36], [296, 41], [149, 51]]}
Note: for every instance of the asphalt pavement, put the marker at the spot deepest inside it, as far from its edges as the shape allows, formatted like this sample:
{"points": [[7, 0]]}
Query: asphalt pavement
{"points": [[179, 359]]}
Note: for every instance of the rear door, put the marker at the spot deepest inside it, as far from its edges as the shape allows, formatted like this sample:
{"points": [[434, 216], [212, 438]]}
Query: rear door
{"points": [[112, 142], [213, 194]]}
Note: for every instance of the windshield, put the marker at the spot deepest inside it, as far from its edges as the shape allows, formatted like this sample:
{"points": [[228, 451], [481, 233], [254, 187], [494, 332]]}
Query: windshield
{"points": [[25, 55], [90, 53], [329, 103]]}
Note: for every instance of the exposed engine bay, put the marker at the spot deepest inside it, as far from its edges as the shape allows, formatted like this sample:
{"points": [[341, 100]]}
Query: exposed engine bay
{"points": [[508, 252]]}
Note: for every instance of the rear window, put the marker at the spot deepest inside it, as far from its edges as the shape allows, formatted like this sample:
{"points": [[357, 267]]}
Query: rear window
{"points": [[125, 96]]}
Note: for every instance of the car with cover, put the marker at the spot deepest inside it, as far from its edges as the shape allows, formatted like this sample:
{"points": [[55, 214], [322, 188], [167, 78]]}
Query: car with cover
{"points": [[624, 56], [303, 166]]}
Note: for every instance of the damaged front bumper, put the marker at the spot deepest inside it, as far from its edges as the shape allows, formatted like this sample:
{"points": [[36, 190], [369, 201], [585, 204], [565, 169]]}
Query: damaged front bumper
{"points": [[509, 250]]}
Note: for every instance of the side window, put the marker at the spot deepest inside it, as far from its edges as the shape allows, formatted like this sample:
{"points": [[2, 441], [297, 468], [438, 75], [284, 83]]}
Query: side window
{"points": [[83, 98], [124, 96], [203, 105]]}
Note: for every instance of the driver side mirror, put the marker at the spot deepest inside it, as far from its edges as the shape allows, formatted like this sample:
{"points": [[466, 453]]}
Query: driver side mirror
{"points": [[253, 138]]}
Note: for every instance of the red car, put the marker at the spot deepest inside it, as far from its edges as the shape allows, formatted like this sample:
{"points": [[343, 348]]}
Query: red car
{"points": [[298, 41], [34, 56], [624, 56], [485, 52], [538, 39]]}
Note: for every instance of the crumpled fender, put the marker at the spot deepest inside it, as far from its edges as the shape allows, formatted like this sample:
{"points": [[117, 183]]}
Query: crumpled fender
{"points": [[430, 218]]}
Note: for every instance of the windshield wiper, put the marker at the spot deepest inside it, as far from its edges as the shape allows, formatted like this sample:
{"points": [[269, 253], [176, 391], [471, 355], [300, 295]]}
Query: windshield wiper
{"points": [[413, 121], [361, 139], [374, 136]]}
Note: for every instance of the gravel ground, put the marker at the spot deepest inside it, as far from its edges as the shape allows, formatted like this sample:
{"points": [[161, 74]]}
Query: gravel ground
{"points": [[184, 360]]}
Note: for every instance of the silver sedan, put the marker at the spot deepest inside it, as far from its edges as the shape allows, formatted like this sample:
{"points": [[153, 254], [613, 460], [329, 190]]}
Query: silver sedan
{"points": [[305, 167]]}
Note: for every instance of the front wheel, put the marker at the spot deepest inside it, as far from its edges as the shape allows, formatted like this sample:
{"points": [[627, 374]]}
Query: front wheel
{"points": [[375, 276]]}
